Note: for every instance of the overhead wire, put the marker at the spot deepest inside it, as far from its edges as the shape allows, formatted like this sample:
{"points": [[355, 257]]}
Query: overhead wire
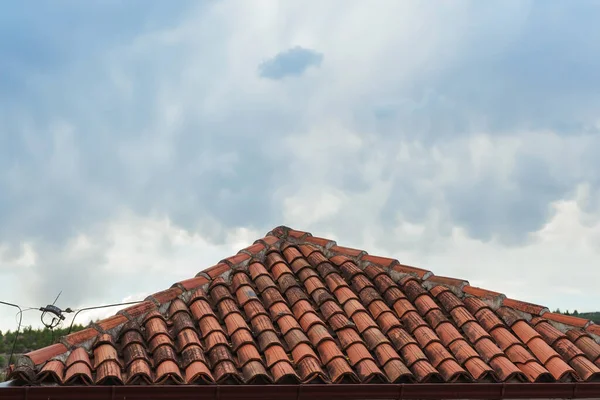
{"points": [[20, 314], [57, 319], [77, 311]]}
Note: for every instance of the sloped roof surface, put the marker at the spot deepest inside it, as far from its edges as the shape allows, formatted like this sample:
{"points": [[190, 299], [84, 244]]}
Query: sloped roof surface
{"points": [[293, 308]]}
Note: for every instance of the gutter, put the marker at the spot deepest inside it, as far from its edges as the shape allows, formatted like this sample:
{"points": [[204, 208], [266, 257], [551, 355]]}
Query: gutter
{"points": [[309, 391]]}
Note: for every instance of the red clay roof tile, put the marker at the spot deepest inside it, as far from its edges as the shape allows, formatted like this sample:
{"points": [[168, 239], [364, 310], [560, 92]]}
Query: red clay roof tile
{"points": [[348, 251], [504, 338], [475, 304], [198, 373], [535, 372], [384, 262], [525, 307], [82, 336], [232, 261], [479, 292], [139, 372], [488, 320], [507, 371], [138, 309], [112, 322], [105, 352], [78, 373], [193, 283], [166, 295], [109, 373], [41, 355], [319, 241], [52, 371], [567, 319], [300, 309], [407, 269], [593, 328], [79, 355], [451, 282], [253, 249], [217, 270]]}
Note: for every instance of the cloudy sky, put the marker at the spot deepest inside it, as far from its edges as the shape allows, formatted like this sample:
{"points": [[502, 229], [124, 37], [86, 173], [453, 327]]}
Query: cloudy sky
{"points": [[143, 141]]}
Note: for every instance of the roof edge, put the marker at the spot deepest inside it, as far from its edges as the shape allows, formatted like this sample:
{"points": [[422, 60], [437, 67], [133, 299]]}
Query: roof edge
{"points": [[576, 390]]}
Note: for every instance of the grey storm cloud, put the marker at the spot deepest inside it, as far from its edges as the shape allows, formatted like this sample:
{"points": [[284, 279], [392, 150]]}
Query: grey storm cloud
{"points": [[90, 138]]}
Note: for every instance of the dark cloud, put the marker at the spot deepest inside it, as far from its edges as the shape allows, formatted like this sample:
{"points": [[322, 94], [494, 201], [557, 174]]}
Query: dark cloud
{"points": [[292, 62]]}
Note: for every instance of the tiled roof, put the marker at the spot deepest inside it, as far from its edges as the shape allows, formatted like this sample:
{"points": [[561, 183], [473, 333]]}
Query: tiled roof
{"points": [[293, 308]]}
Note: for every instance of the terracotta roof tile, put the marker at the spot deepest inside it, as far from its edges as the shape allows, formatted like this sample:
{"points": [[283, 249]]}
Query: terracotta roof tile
{"points": [[525, 307], [78, 373], [79, 337], [479, 292], [52, 371], [197, 372], [535, 372], [293, 308], [449, 282], [103, 353], [112, 322], [165, 295], [254, 249], [347, 251], [139, 372], [500, 362], [593, 328], [79, 355], [109, 373], [41, 355], [138, 309], [230, 261], [567, 319]]}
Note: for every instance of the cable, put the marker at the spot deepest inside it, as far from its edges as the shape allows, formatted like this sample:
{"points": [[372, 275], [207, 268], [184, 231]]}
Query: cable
{"points": [[57, 318], [17, 306], [77, 311], [24, 311], [20, 314], [52, 330]]}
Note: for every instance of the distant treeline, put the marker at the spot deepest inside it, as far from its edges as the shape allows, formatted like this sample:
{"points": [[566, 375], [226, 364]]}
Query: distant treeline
{"points": [[29, 339]]}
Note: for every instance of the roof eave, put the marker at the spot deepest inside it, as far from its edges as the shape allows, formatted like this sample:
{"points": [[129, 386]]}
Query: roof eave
{"points": [[313, 392]]}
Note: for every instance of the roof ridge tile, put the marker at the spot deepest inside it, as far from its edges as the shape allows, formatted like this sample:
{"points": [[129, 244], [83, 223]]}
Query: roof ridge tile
{"points": [[526, 307], [568, 319], [454, 284]]}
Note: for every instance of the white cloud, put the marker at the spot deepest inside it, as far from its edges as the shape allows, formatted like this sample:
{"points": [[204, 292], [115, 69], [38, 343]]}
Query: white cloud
{"points": [[428, 133], [140, 256], [556, 269]]}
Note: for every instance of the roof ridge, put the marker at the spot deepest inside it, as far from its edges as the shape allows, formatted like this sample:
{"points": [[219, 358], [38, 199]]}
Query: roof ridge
{"points": [[276, 239]]}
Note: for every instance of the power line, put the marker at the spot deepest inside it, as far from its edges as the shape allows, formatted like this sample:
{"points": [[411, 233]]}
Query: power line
{"points": [[20, 314], [96, 308], [57, 316]]}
